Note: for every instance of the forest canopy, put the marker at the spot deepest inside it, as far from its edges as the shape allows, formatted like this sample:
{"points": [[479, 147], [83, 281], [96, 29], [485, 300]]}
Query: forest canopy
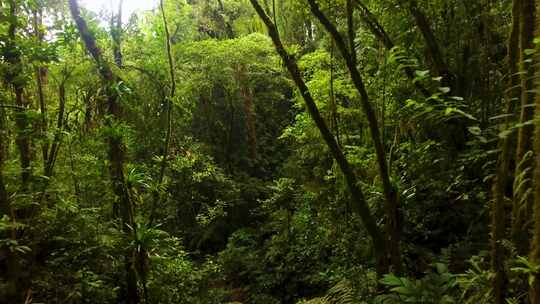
{"points": [[270, 151]]}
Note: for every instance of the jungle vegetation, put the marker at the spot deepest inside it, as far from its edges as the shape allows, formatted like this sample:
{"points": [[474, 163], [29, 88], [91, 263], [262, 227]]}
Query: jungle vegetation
{"points": [[270, 152]]}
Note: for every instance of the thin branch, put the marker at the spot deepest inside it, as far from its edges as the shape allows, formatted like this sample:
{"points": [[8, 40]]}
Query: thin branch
{"points": [[169, 99]]}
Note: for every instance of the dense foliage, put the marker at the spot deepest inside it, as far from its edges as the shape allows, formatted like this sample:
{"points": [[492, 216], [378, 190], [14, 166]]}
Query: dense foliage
{"points": [[270, 151]]}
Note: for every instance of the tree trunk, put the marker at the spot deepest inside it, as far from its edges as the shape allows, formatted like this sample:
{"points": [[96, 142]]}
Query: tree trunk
{"points": [[4, 203], [249, 111], [17, 282], [359, 202], [169, 104], [534, 257], [393, 225], [378, 31], [116, 33], [53, 153], [503, 164], [41, 80], [522, 200], [431, 42], [13, 58], [5, 210], [116, 149]]}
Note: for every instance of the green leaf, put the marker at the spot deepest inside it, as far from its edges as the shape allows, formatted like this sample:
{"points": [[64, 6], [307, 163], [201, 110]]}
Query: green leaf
{"points": [[391, 280], [475, 130], [529, 51], [422, 74], [445, 90]]}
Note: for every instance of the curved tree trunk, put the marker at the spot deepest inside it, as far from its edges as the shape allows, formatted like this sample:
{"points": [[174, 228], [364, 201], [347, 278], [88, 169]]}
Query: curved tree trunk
{"points": [[393, 225], [359, 202]]}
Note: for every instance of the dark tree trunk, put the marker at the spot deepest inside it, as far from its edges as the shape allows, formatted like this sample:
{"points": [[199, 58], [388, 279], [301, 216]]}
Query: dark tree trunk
{"points": [[522, 200], [393, 225], [359, 202], [249, 111], [379, 32], [116, 33], [431, 43], [116, 149], [17, 282], [503, 165], [534, 257], [169, 104], [55, 147]]}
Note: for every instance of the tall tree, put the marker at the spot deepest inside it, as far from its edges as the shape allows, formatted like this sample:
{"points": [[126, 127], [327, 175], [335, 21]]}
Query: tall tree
{"points": [[522, 198], [17, 286], [168, 103], [359, 204], [393, 225], [116, 149], [534, 292], [15, 77], [498, 226], [41, 79]]}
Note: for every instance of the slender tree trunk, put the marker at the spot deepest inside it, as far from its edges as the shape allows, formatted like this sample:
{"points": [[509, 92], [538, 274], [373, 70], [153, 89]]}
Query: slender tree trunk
{"points": [[4, 203], [359, 202], [335, 115], [249, 111], [41, 80], [17, 282], [55, 147], [379, 32], [503, 165], [522, 200], [534, 257], [22, 140], [116, 33], [116, 149], [393, 225], [5, 210], [13, 58], [41, 75], [431, 42], [88, 109], [169, 104]]}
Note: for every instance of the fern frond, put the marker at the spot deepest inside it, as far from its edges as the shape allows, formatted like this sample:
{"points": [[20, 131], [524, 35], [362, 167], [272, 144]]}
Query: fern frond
{"points": [[341, 293]]}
